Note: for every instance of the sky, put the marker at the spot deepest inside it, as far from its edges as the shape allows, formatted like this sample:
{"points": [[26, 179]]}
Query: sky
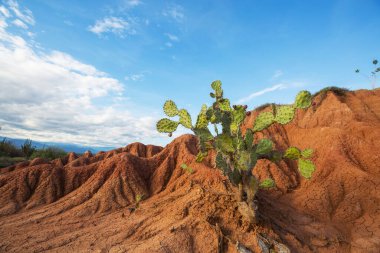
{"points": [[97, 73]]}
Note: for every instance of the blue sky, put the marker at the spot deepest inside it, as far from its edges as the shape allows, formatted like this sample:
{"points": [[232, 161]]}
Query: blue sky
{"points": [[98, 72]]}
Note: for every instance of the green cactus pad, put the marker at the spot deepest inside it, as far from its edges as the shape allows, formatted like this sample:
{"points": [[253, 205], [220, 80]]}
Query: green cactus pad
{"points": [[170, 108], [185, 118], [284, 114], [235, 177], [303, 99], [292, 153], [166, 126], [248, 138], [244, 160], [216, 85], [307, 153], [253, 159], [200, 156], [224, 143], [267, 183], [212, 95], [264, 146], [187, 168], [224, 105], [202, 121], [263, 120], [238, 116], [306, 168], [204, 134]]}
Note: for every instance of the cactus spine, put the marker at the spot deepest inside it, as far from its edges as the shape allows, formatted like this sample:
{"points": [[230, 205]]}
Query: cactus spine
{"points": [[236, 154]]}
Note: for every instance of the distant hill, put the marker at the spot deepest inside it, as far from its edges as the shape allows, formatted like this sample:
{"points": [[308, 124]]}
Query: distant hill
{"points": [[65, 146]]}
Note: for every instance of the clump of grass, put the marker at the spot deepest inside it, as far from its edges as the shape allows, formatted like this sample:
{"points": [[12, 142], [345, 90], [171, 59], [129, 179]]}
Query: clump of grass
{"points": [[336, 90], [262, 107]]}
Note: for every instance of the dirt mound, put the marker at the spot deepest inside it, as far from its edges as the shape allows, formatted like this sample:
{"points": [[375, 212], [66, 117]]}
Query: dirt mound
{"points": [[86, 203]]}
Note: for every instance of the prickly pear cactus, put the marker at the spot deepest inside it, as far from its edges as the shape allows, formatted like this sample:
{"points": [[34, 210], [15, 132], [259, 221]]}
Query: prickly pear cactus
{"points": [[236, 154]]}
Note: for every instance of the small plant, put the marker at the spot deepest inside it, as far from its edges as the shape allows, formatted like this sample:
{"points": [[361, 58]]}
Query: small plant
{"points": [[187, 168], [372, 77], [237, 154]]}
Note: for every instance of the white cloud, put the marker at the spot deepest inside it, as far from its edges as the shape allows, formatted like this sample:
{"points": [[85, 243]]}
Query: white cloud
{"points": [[134, 77], [133, 3], [4, 11], [261, 92], [25, 15], [277, 74], [19, 23], [56, 98], [175, 12], [172, 37], [118, 26]]}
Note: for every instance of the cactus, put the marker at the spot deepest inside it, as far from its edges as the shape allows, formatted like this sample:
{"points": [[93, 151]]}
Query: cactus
{"points": [[284, 114], [236, 154], [303, 100], [263, 120]]}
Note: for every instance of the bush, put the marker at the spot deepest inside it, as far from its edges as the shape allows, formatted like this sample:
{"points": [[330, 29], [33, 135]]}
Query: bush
{"points": [[236, 154], [7, 148], [27, 148], [50, 153]]}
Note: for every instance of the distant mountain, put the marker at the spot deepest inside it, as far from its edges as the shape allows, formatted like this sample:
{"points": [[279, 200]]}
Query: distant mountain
{"points": [[68, 147]]}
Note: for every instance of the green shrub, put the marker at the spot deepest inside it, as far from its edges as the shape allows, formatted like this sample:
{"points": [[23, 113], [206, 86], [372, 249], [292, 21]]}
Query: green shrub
{"points": [[236, 154], [49, 153], [7, 148], [27, 148]]}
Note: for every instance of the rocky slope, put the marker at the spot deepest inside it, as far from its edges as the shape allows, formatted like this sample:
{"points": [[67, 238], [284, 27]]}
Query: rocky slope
{"points": [[85, 204]]}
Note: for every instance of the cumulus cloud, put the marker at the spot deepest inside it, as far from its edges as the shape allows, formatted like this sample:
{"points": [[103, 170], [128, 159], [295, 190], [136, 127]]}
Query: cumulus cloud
{"points": [[259, 93], [116, 25], [175, 12], [51, 96]]}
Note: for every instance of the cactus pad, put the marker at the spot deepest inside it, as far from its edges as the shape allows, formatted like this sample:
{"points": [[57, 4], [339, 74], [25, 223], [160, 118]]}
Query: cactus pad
{"points": [[292, 153], [200, 156], [202, 121], [306, 168], [185, 118], [224, 143], [263, 120], [267, 183], [244, 160], [216, 85], [264, 146], [303, 99], [166, 126], [248, 138], [224, 105], [170, 108], [307, 153], [284, 114]]}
